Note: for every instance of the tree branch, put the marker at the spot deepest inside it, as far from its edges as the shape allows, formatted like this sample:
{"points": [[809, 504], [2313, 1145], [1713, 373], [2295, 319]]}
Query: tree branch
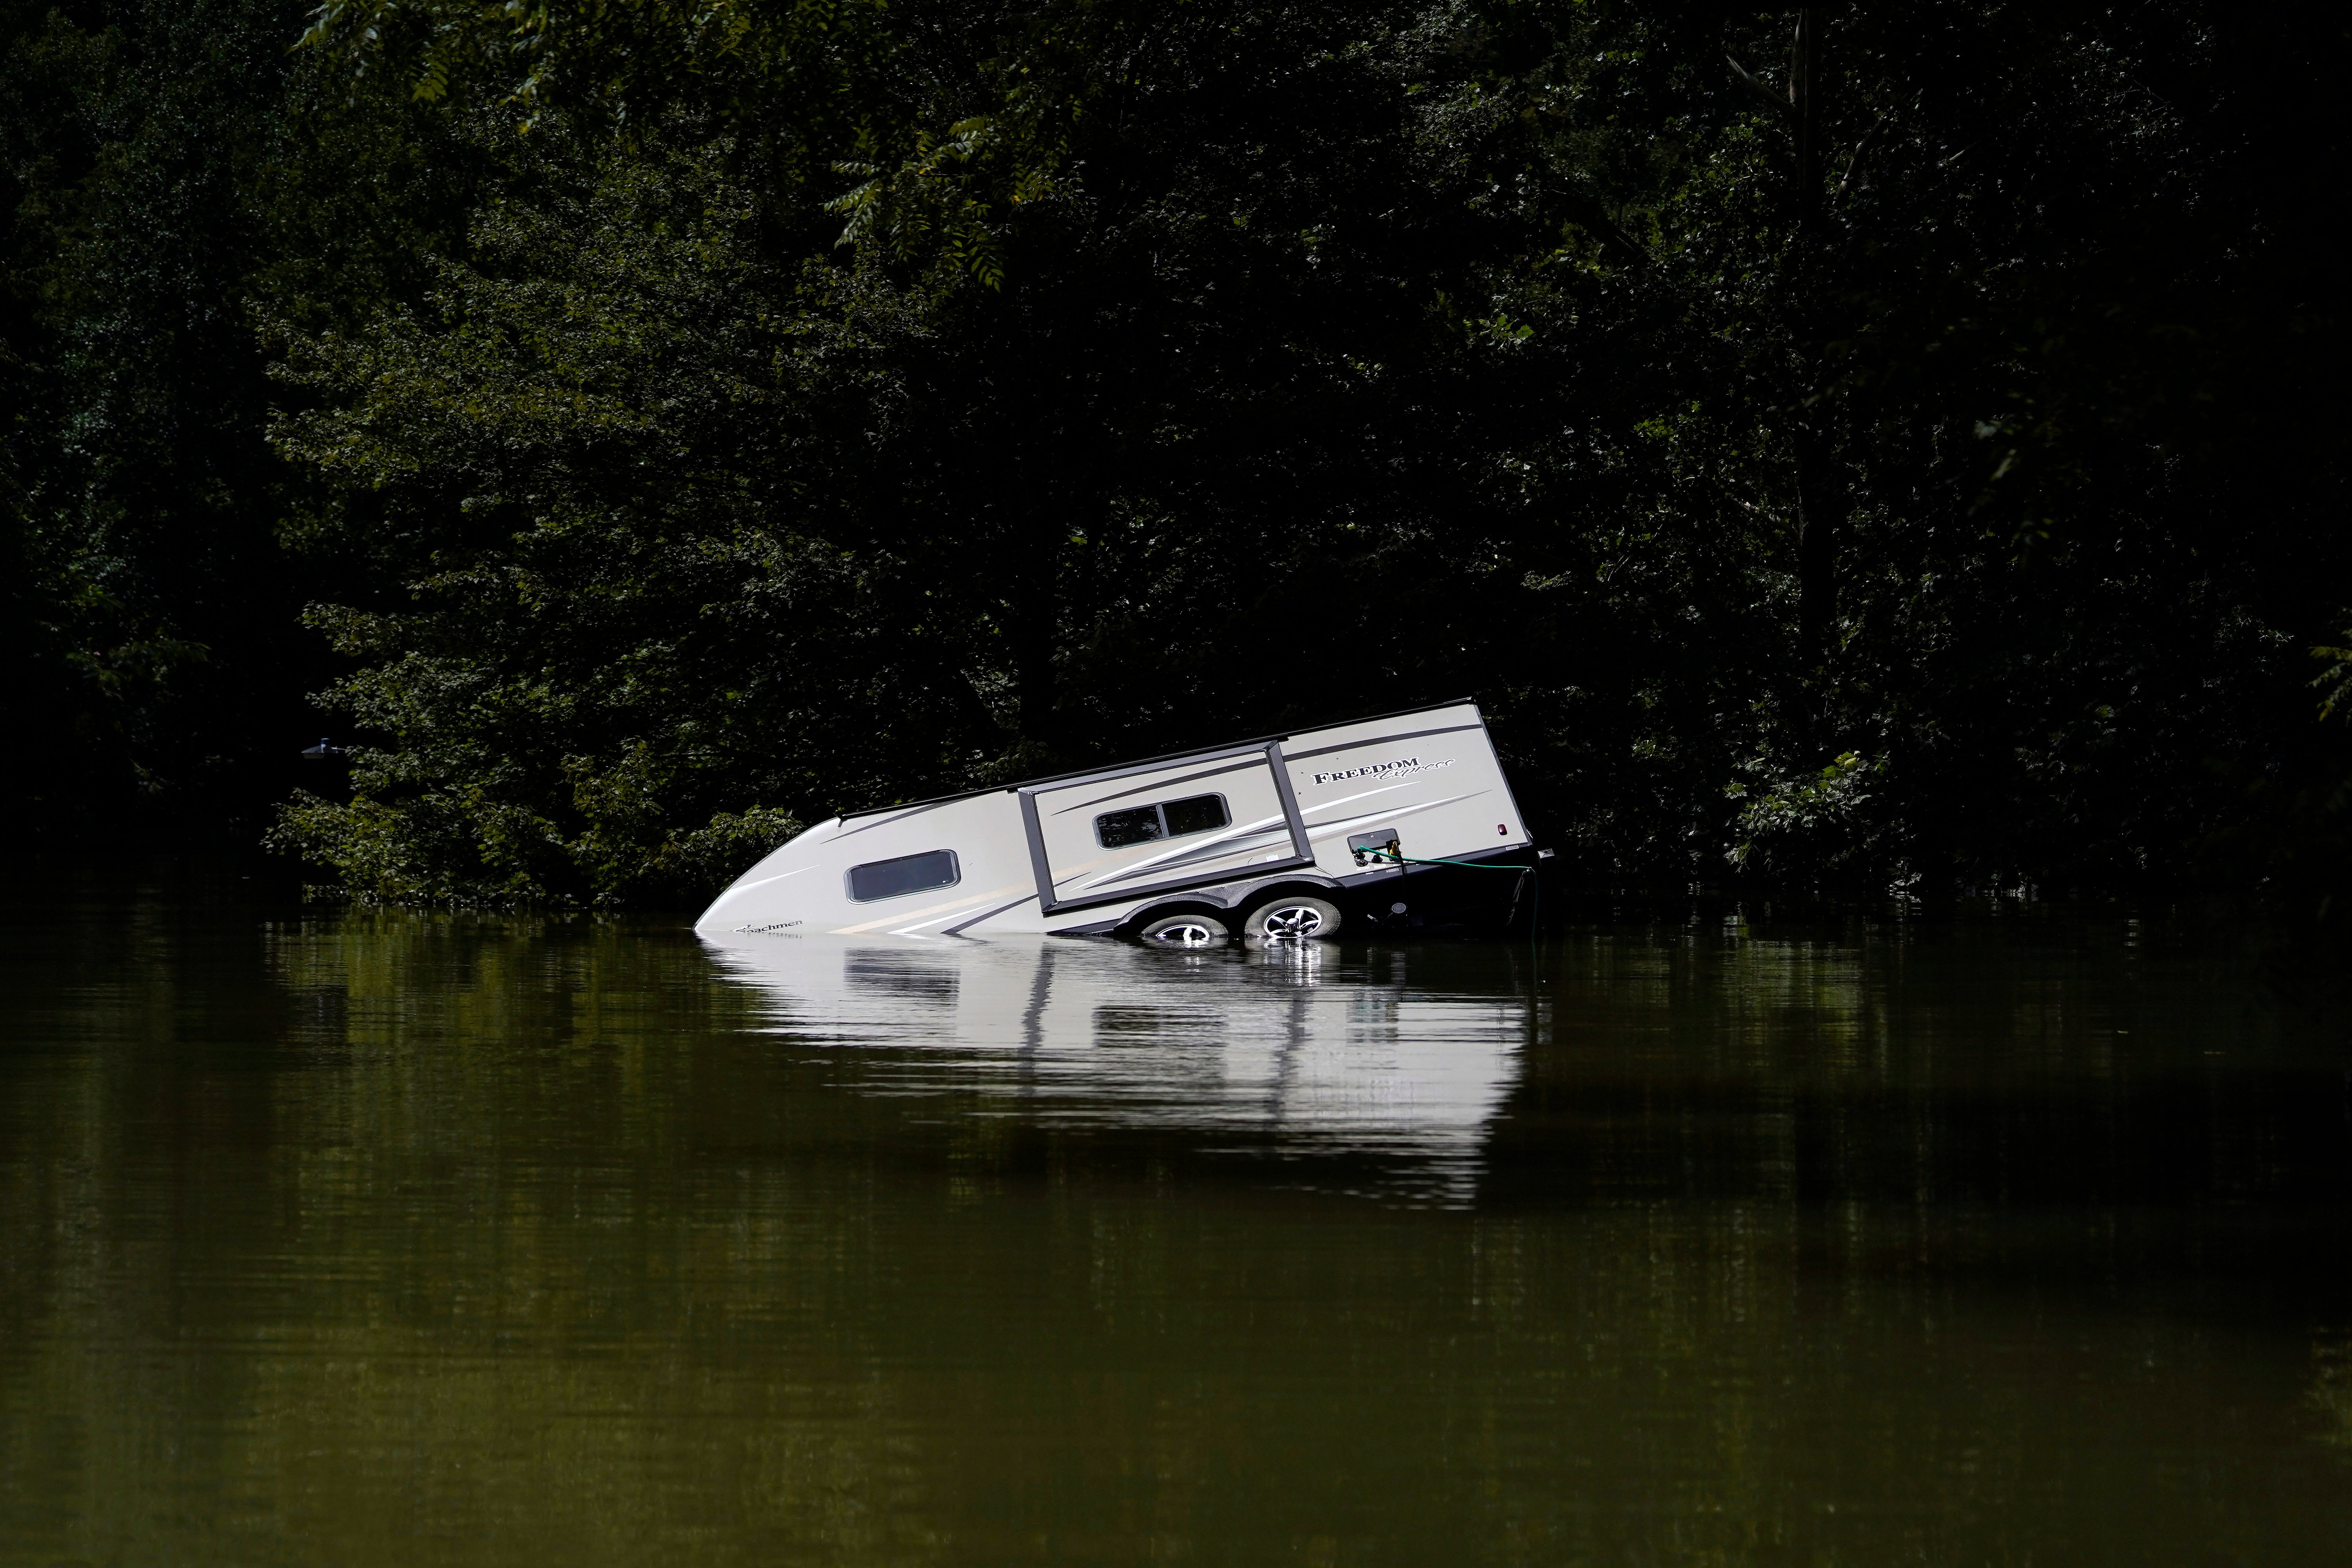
{"points": [[1760, 90], [1854, 162]]}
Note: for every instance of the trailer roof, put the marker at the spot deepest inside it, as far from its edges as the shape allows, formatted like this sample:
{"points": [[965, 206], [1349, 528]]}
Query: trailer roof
{"points": [[1165, 756]]}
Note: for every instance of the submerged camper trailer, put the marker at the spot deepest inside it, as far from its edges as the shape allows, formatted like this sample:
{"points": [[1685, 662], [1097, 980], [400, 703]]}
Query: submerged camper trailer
{"points": [[1301, 836]]}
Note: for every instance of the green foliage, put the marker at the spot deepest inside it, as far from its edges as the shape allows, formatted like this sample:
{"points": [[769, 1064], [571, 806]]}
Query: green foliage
{"points": [[462, 846], [1474, 350], [1805, 825], [2336, 681], [564, 446], [691, 416], [617, 57], [149, 639]]}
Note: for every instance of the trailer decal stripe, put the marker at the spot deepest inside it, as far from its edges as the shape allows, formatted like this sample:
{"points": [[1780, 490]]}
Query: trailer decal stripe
{"points": [[1255, 759], [1242, 844], [903, 917], [1333, 829], [1178, 854], [747, 886], [1080, 886], [1375, 741], [885, 822], [991, 914], [1360, 794]]}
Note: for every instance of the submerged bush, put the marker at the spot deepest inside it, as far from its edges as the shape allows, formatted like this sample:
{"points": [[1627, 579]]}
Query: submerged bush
{"points": [[456, 848]]}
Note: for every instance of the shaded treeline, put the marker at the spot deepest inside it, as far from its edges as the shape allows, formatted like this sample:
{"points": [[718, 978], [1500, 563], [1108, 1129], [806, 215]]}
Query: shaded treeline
{"points": [[1865, 444]]}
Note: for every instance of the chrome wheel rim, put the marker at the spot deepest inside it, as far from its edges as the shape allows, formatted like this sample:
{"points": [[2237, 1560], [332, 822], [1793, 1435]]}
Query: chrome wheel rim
{"points": [[1185, 934], [1292, 921]]}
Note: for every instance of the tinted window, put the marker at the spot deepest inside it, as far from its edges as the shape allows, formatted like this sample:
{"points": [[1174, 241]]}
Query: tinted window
{"points": [[1113, 828], [1197, 814], [1170, 819], [907, 874]]}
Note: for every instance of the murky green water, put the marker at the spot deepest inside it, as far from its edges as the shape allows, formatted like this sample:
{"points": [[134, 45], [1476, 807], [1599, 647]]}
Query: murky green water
{"points": [[376, 1239]]}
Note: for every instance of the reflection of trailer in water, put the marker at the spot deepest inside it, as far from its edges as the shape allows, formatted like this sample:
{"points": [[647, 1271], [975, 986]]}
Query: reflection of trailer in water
{"points": [[1281, 1043], [1282, 836]]}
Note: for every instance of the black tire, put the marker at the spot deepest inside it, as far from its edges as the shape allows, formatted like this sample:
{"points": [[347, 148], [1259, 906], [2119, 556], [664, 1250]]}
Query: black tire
{"points": [[1190, 929], [1293, 917]]}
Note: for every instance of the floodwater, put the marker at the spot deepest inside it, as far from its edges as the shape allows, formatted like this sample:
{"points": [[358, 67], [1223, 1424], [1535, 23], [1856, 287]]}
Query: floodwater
{"points": [[2010, 1238]]}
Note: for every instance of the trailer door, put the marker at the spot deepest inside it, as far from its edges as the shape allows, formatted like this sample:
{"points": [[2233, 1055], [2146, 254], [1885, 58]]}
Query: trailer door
{"points": [[1129, 833]]}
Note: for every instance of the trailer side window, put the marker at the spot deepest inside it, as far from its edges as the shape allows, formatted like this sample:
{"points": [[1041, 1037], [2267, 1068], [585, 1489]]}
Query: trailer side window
{"points": [[1197, 814], [1170, 819], [1114, 828], [907, 874]]}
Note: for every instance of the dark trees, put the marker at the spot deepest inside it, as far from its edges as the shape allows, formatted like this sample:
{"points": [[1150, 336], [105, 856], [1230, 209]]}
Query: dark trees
{"points": [[1903, 450], [154, 669]]}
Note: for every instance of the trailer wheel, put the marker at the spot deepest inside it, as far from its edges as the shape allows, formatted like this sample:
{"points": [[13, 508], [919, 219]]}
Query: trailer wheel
{"points": [[1192, 930], [1293, 917]]}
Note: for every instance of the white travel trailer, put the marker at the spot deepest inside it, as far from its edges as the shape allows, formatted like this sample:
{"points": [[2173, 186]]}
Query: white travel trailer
{"points": [[1280, 836]]}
